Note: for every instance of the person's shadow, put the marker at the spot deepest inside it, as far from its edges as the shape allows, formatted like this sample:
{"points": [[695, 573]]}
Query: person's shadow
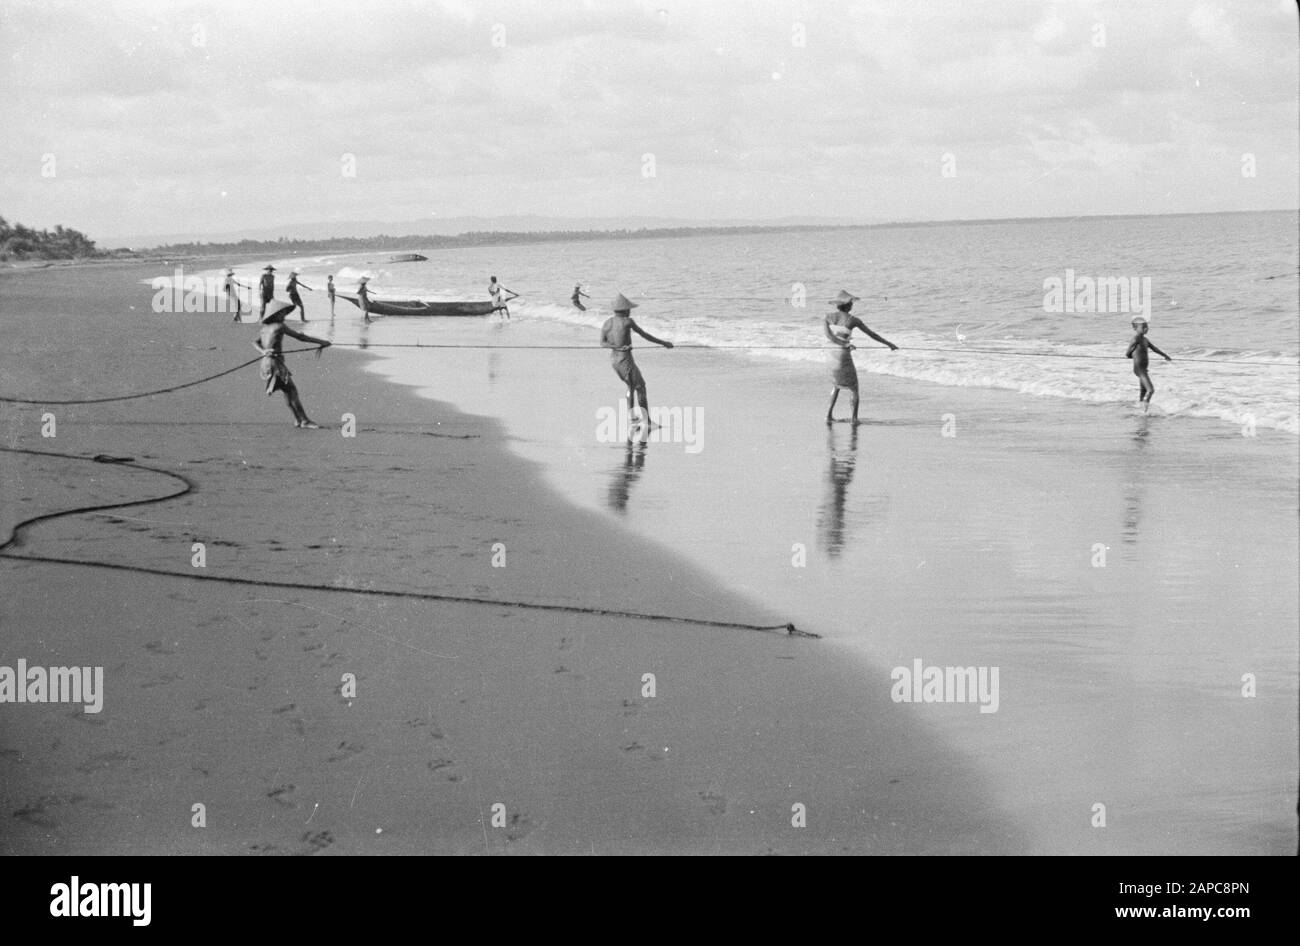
{"points": [[842, 449], [1133, 491], [627, 473]]}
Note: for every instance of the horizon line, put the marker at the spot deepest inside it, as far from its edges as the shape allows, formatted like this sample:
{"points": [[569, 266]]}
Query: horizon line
{"points": [[758, 224]]}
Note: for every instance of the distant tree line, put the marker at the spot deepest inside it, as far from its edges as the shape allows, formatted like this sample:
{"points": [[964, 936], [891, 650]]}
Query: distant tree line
{"points": [[23, 243], [286, 247]]}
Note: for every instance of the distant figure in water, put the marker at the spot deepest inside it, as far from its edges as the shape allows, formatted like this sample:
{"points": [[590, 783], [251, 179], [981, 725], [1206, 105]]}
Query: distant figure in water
{"points": [[329, 291], [267, 285], [616, 334], [232, 286], [1137, 350], [495, 290], [294, 298], [273, 370], [578, 296], [363, 296], [839, 327]]}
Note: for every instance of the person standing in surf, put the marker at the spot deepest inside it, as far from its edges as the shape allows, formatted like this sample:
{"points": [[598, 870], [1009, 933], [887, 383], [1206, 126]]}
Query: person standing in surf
{"points": [[1137, 350], [839, 326], [294, 298], [496, 290], [616, 334], [363, 296], [578, 296], [329, 291], [267, 286], [273, 370]]}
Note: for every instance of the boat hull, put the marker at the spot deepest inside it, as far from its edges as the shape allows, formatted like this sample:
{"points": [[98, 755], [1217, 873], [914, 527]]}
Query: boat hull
{"points": [[426, 309]]}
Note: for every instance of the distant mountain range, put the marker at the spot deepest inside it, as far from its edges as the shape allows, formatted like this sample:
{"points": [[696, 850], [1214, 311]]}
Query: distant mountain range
{"points": [[451, 226]]}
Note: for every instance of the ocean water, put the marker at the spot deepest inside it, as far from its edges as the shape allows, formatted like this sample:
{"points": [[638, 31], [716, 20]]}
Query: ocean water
{"points": [[1121, 683], [1222, 288]]}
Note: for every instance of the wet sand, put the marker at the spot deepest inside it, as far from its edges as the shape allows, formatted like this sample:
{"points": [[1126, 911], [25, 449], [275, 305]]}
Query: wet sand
{"points": [[230, 696], [1121, 676]]}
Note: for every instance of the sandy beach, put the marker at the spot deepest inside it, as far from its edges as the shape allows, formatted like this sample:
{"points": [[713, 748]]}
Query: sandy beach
{"points": [[231, 697]]}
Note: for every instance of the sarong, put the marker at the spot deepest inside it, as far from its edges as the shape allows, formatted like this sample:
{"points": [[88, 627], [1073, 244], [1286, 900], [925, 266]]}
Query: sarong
{"points": [[274, 372], [627, 369], [844, 374]]}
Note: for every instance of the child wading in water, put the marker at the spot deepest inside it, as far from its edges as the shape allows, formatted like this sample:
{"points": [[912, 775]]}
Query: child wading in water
{"points": [[1137, 350], [273, 369]]}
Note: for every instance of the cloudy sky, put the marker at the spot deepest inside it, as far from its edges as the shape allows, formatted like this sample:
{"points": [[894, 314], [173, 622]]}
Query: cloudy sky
{"points": [[163, 117]]}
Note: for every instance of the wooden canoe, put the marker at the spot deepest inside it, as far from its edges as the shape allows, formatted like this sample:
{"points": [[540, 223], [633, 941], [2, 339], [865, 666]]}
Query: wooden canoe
{"points": [[414, 307]]}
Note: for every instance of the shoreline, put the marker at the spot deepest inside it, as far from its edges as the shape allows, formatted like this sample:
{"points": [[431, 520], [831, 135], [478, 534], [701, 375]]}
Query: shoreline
{"points": [[233, 700]]}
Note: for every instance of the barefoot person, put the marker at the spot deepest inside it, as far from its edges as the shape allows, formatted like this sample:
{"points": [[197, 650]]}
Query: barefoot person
{"points": [[496, 291], [232, 287], [1137, 350], [578, 296], [839, 327], [273, 369], [267, 285], [363, 296], [616, 334], [329, 291], [294, 298]]}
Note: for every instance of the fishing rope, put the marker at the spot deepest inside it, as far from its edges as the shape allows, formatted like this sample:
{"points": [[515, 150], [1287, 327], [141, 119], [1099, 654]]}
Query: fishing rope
{"points": [[294, 351], [188, 486], [955, 351]]}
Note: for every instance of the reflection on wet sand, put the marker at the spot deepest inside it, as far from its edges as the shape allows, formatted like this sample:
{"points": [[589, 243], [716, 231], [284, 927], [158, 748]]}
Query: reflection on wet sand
{"points": [[1133, 491], [842, 448], [629, 471]]}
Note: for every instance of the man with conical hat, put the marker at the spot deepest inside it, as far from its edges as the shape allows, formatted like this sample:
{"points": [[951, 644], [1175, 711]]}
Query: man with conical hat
{"points": [[292, 288], [267, 285], [616, 335], [273, 370], [840, 324], [363, 296]]}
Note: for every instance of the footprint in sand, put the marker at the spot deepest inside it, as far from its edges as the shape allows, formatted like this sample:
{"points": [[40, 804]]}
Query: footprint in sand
{"points": [[38, 812], [519, 828], [716, 803], [317, 842], [281, 795], [345, 751]]}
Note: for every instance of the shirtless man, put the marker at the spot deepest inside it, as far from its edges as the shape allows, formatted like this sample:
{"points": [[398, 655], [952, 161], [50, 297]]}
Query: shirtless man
{"points": [[1137, 350], [292, 288], [578, 296], [273, 370], [839, 326], [616, 334], [267, 285]]}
